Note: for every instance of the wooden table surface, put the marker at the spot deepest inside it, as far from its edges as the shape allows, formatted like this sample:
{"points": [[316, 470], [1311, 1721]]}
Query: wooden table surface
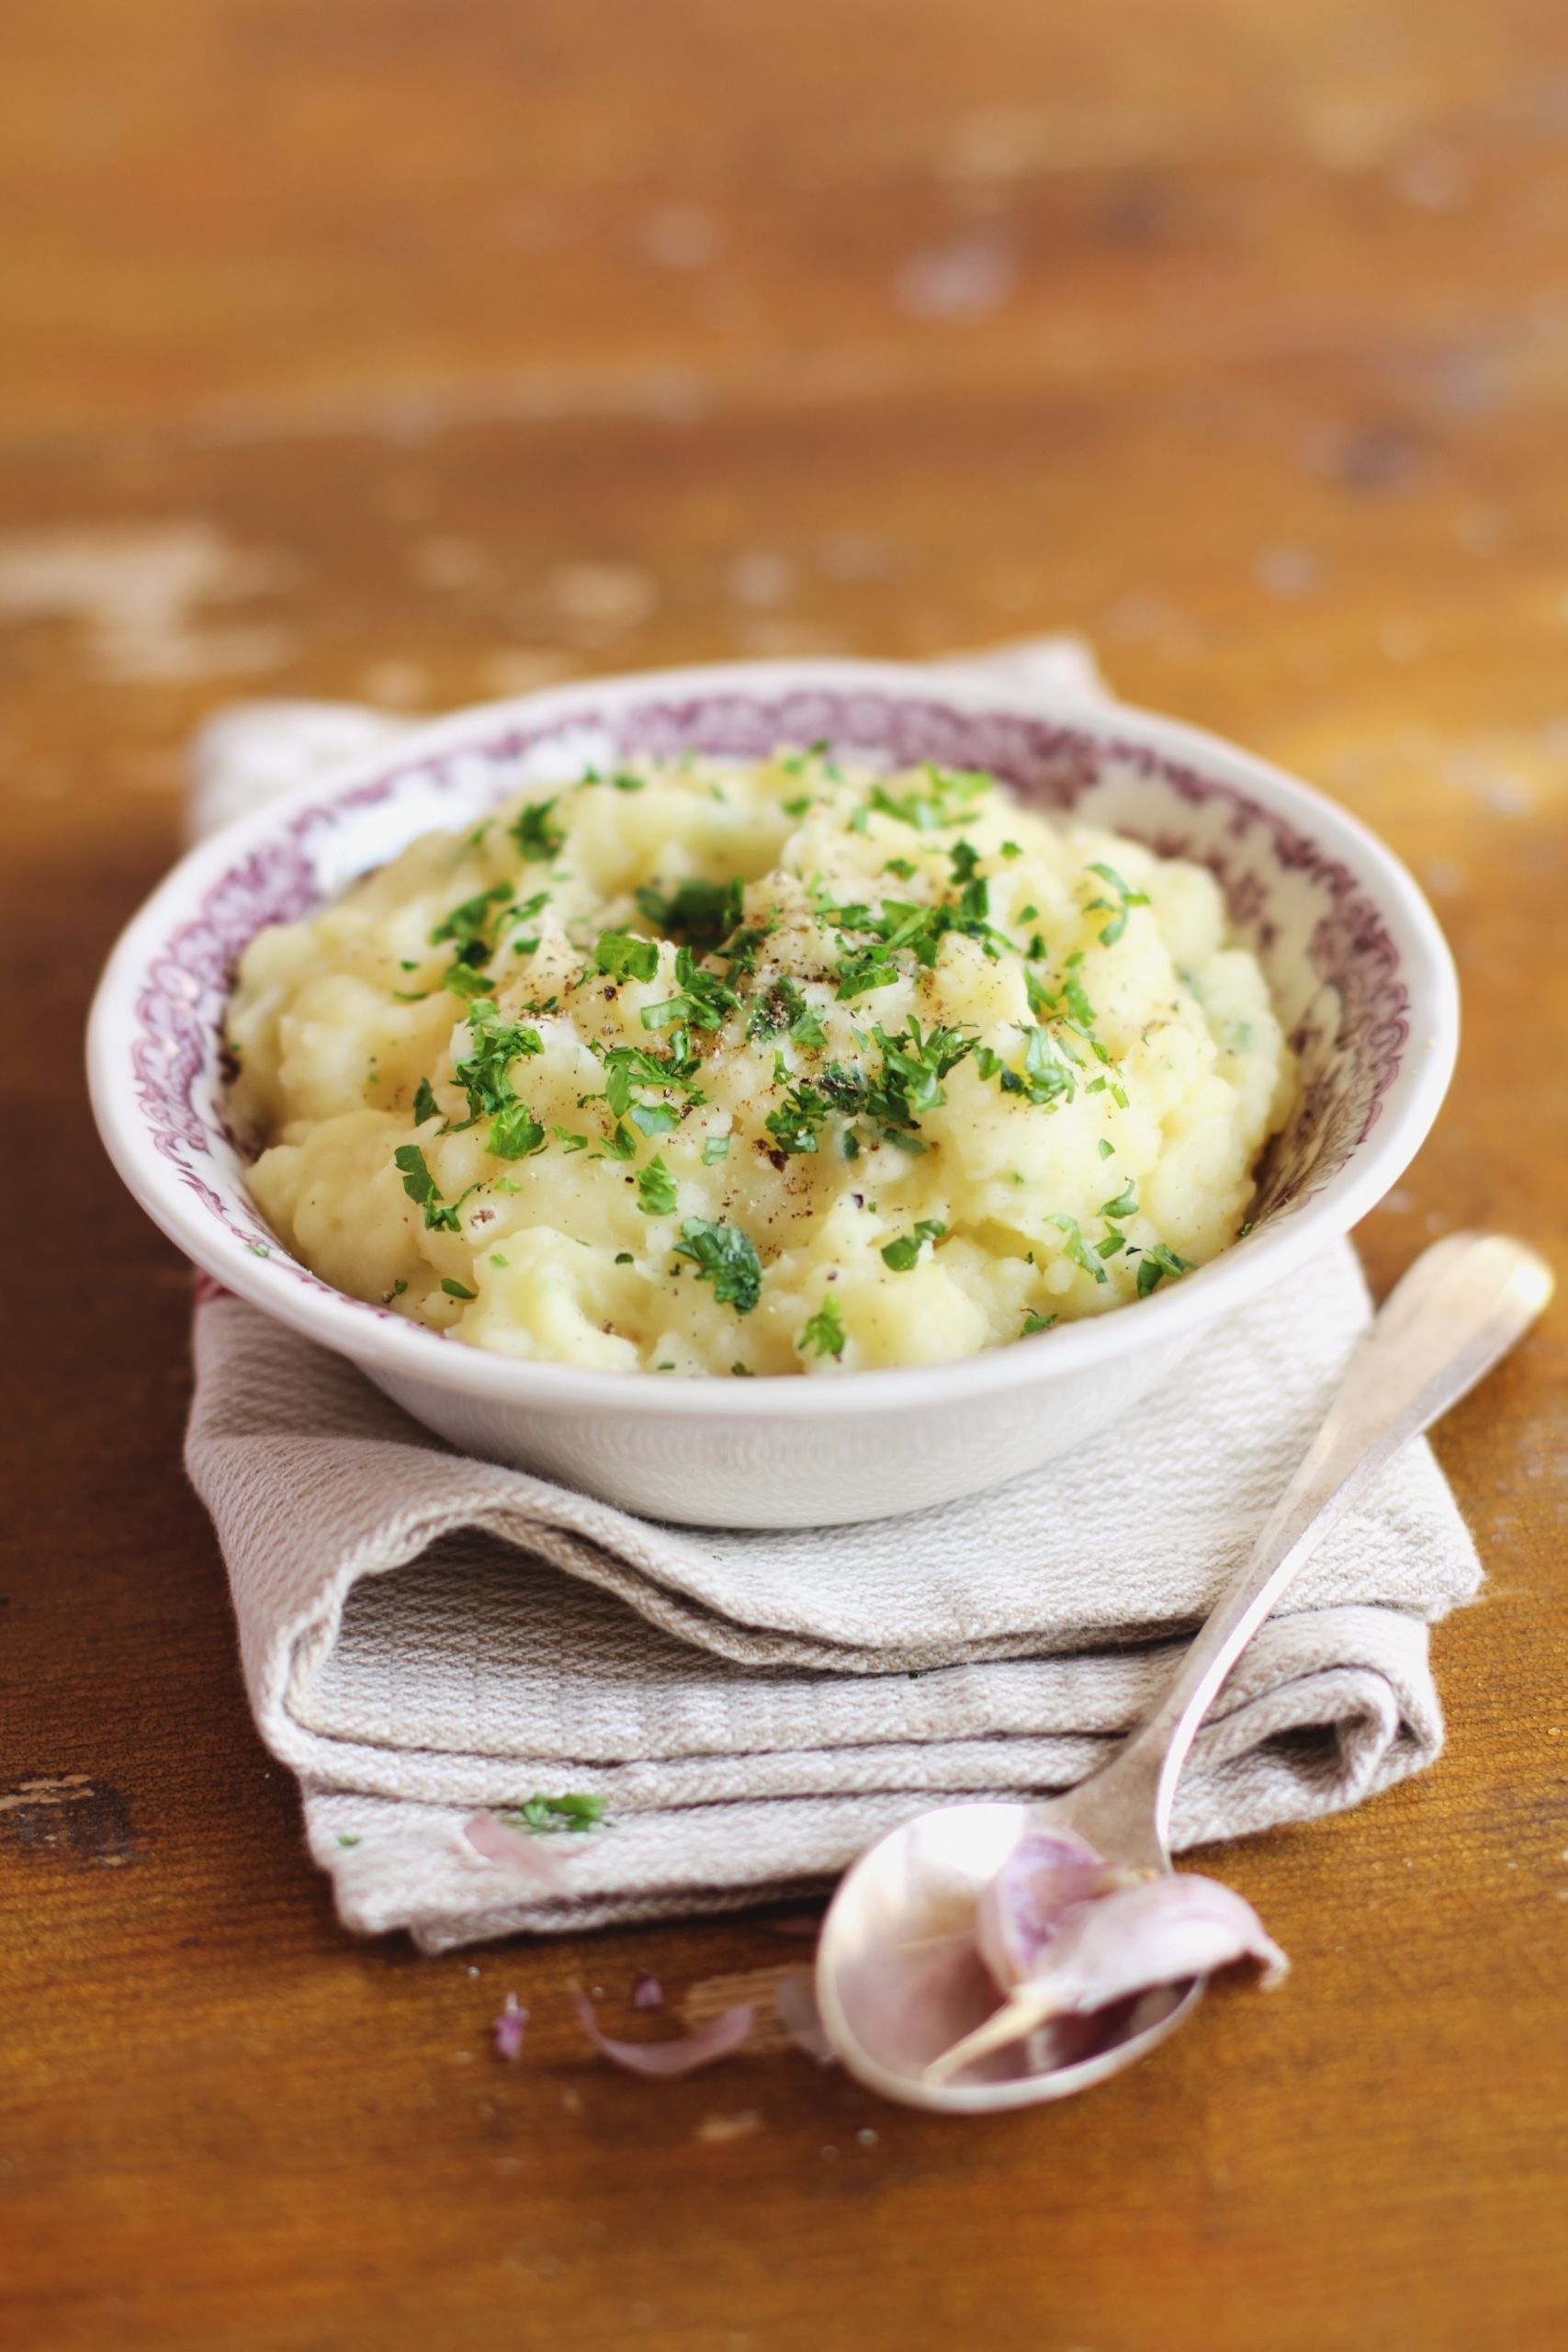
{"points": [[419, 350]]}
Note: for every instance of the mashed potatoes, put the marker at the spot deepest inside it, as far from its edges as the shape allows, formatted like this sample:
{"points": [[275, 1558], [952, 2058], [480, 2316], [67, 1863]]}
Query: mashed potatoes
{"points": [[694, 1067]]}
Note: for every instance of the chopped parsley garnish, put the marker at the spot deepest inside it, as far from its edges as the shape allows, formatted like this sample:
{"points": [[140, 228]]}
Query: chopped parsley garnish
{"points": [[1105, 1147], [630, 1069], [796, 762], [909, 1083], [796, 1121], [724, 1256], [913, 1066], [568, 1141], [462, 980], [863, 969], [770, 1013], [546, 1815], [656, 1189], [528, 945], [714, 1149], [1078, 1003], [425, 1104], [440, 1214], [702, 913], [782, 1006], [904, 924], [471, 926], [972, 917], [515, 1134], [494, 1046], [948, 799], [624, 1258], [1079, 1012], [739, 950], [1047, 1076], [705, 1000], [806, 1029], [1155, 1263], [1124, 1204], [901, 1254], [628, 1066], [1034, 1321], [824, 1332], [1042, 1003], [625, 956], [1079, 1249], [536, 836], [457, 1290], [1117, 908]]}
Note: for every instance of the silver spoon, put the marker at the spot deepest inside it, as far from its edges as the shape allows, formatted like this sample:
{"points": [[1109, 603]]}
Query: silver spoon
{"points": [[1461, 1305]]}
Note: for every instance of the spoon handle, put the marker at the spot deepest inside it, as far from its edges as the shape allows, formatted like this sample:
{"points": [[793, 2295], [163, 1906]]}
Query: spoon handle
{"points": [[1461, 1306]]}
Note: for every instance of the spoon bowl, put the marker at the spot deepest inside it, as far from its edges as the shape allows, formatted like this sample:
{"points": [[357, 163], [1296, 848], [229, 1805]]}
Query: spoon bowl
{"points": [[899, 1980]]}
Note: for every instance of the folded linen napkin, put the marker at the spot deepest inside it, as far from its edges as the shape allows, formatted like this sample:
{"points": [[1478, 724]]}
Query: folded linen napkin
{"points": [[424, 1635]]}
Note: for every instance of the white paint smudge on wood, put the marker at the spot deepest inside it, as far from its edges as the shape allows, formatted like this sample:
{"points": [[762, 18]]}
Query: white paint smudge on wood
{"points": [[138, 592]]}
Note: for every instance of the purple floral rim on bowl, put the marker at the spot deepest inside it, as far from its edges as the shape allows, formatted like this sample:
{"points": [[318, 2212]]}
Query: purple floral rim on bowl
{"points": [[1350, 1037]]}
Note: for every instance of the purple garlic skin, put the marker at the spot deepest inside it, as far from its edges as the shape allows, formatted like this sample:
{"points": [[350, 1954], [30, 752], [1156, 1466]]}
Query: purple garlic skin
{"points": [[664, 2060], [510, 1850], [506, 2030], [1066, 1935], [1021, 1910], [1157, 1932]]}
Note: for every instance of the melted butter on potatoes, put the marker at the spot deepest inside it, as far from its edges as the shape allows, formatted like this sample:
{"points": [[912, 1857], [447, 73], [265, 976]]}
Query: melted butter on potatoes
{"points": [[703, 1067]]}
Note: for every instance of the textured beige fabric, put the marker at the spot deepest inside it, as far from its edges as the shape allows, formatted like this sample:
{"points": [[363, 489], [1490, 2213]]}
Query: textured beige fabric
{"points": [[424, 1635]]}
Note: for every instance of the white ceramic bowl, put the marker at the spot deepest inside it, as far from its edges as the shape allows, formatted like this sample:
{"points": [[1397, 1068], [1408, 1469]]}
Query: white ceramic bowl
{"points": [[1357, 964]]}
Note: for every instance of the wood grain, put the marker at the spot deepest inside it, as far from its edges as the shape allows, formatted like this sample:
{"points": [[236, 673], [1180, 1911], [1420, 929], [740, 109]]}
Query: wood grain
{"points": [[420, 351]]}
